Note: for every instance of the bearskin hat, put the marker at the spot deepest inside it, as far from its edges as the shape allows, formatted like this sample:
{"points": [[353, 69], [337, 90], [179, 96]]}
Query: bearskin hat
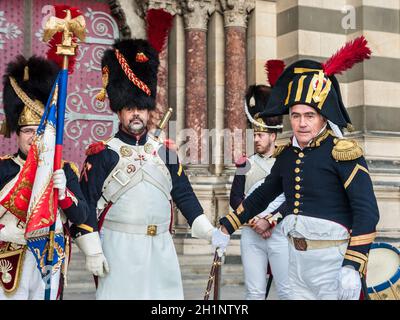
{"points": [[130, 74]]}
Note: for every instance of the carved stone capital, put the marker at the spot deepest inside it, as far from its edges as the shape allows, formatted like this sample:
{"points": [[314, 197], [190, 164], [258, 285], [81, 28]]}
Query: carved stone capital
{"points": [[196, 13], [171, 6], [236, 12], [119, 15]]}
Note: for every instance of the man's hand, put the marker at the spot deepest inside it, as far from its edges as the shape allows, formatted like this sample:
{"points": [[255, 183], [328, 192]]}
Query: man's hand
{"points": [[260, 226], [349, 284], [220, 239], [60, 183], [266, 234]]}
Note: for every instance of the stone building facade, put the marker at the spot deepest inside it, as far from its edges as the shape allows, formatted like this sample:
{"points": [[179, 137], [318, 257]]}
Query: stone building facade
{"points": [[215, 50], [218, 47]]}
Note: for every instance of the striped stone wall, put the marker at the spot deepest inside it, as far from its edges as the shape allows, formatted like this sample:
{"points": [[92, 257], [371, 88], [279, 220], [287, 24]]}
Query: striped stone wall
{"points": [[292, 30]]}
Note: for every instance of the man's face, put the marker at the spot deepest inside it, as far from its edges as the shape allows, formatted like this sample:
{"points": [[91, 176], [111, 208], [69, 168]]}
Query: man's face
{"points": [[25, 138], [263, 142], [306, 123], [133, 120]]}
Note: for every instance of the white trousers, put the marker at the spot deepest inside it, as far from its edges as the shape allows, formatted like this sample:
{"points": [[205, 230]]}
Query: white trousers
{"points": [[31, 285], [256, 253], [313, 273]]}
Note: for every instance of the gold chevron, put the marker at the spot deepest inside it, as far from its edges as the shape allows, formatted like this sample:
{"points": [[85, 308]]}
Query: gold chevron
{"points": [[353, 174]]}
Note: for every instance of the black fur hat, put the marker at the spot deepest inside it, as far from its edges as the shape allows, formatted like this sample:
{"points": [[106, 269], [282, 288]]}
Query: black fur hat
{"points": [[35, 78], [130, 74]]}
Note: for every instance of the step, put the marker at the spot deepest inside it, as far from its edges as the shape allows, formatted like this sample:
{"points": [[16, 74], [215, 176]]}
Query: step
{"points": [[205, 269], [200, 280]]}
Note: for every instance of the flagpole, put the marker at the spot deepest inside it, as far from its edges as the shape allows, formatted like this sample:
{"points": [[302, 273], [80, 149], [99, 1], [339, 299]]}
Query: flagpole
{"points": [[66, 49], [62, 96]]}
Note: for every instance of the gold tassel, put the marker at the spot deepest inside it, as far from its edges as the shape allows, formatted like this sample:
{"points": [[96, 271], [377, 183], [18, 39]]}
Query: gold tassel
{"points": [[26, 73], [346, 150], [101, 96], [4, 130]]}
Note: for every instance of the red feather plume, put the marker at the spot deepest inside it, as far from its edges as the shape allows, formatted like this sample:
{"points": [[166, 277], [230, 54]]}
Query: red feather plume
{"points": [[57, 38], [274, 69], [351, 53], [159, 23]]}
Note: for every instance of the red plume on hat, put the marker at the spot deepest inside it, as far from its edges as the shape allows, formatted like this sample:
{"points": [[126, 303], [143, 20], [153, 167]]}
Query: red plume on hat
{"points": [[57, 38], [159, 23], [274, 69], [351, 53]]}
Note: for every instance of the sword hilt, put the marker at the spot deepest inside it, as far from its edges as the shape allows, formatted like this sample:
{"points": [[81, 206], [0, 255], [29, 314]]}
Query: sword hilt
{"points": [[163, 122]]}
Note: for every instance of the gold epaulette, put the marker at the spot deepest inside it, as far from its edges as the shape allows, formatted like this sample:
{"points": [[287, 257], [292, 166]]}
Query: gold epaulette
{"points": [[7, 156], [346, 150], [279, 149], [73, 166]]}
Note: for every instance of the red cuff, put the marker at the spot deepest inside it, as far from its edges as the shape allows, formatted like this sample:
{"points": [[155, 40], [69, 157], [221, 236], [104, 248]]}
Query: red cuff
{"points": [[67, 201]]}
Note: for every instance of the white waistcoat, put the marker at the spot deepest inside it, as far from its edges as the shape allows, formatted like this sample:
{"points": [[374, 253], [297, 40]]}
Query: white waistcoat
{"points": [[260, 168], [141, 266]]}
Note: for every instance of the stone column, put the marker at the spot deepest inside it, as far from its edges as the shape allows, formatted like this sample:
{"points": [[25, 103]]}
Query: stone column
{"points": [[171, 7], [196, 14], [235, 23]]}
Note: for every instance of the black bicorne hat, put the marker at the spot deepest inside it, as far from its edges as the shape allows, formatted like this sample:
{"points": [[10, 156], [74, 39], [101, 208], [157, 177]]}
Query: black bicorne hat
{"points": [[257, 97], [314, 84]]}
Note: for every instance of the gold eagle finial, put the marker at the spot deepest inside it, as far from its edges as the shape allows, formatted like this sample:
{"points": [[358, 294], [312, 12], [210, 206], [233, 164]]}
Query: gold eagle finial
{"points": [[69, 27]]}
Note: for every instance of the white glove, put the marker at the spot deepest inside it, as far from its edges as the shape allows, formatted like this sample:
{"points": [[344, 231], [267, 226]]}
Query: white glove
{"points": [[349, 284], [202, 228], [97, 264], [60, 183], [219, 241], [11, 233], [90, 245]]}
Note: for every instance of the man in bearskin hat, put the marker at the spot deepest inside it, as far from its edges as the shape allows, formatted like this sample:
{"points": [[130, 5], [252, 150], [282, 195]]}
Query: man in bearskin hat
{"points": [[325, 179], [262, 241], [130, 182], [27, 86]]}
